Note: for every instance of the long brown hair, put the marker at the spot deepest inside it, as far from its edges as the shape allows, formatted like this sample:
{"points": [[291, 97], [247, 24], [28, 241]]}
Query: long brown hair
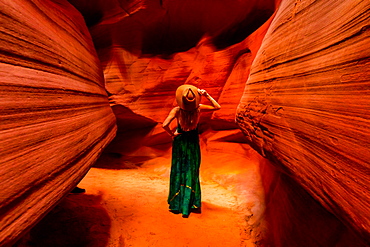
{"points": [[188, 120]]}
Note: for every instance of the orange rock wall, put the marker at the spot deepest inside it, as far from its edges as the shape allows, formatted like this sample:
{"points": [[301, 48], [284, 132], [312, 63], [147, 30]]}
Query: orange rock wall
{"points": [[300, 75], [306, 107], [54, 111]]}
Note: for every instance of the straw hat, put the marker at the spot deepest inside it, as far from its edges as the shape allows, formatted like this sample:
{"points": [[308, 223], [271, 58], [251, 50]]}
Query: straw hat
{"points": [[187, 97]]}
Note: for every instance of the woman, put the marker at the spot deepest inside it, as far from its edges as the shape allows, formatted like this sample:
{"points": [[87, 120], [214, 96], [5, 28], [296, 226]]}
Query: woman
{"points": [[185, 196]]}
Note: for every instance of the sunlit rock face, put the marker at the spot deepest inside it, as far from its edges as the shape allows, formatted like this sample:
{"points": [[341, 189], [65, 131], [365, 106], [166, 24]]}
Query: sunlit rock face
{"points": [[306, 107], [55, 116]]}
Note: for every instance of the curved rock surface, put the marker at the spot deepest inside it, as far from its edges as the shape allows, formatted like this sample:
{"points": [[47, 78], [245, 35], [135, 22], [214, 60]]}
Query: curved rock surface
{"points": [[304, 70], [55, 115], [306, 107]]}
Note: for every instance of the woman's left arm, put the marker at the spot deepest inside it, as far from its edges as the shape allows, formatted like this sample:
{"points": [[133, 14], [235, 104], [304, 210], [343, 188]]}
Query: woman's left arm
{"points": [[215, 105], [166, 124]]}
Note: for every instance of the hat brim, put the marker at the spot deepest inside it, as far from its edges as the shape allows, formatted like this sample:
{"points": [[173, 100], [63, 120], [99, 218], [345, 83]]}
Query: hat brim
{"points": [[181, 92]]}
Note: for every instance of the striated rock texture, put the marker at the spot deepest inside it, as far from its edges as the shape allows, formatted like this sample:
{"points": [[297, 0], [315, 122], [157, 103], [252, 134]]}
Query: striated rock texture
{"points": [[306, 107], [54, 111]]}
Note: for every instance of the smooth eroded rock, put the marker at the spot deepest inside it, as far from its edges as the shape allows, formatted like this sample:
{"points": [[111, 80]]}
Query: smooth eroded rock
{"points": [[306, 104], [54, 111]]}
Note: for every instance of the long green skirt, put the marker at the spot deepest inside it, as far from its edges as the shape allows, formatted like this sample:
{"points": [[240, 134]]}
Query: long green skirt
{"points": [[185, 192]]}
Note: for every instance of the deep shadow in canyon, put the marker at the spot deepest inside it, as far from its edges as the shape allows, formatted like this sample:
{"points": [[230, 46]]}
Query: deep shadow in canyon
{"points": [[78, 220], [176, 26]]}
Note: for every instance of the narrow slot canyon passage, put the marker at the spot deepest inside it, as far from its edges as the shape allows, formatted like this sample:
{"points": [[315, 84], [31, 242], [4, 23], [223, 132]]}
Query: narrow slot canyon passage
{"points": [[86, 87]]}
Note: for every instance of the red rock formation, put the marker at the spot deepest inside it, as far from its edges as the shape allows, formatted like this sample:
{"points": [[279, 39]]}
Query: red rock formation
{"points": [[55, 116], [305, 106]]}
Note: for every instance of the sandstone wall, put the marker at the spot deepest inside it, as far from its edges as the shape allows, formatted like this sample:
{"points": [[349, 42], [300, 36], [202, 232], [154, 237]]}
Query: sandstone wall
{"points": [[305, 104], [306, 107], [54, 111]]}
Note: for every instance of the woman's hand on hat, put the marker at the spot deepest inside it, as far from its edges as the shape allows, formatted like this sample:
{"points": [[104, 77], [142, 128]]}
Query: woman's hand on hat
{"points": [[202, 91]]}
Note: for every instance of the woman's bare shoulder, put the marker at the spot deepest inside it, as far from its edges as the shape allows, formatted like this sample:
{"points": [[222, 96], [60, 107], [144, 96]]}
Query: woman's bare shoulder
{"points": [[175, 110], [172, 115]]}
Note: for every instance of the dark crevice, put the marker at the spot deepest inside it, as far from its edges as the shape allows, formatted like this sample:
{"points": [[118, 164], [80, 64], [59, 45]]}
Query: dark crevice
{"points": [[242, 30]]}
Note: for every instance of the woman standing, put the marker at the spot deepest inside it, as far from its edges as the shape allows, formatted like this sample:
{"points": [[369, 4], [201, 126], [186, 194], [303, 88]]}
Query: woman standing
{"points": [[185, 196]]}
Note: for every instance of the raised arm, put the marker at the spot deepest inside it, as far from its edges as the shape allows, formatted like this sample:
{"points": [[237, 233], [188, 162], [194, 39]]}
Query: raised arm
{"points": [[171, 116], [215, 105]]}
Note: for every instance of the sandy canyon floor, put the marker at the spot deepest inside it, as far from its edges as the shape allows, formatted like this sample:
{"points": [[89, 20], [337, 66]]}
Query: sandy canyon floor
{"points": [[128, 207]]}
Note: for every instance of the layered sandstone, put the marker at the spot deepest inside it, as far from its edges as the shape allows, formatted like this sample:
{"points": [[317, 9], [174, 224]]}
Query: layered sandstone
{"points": [[306, 107], [55, 116]]}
